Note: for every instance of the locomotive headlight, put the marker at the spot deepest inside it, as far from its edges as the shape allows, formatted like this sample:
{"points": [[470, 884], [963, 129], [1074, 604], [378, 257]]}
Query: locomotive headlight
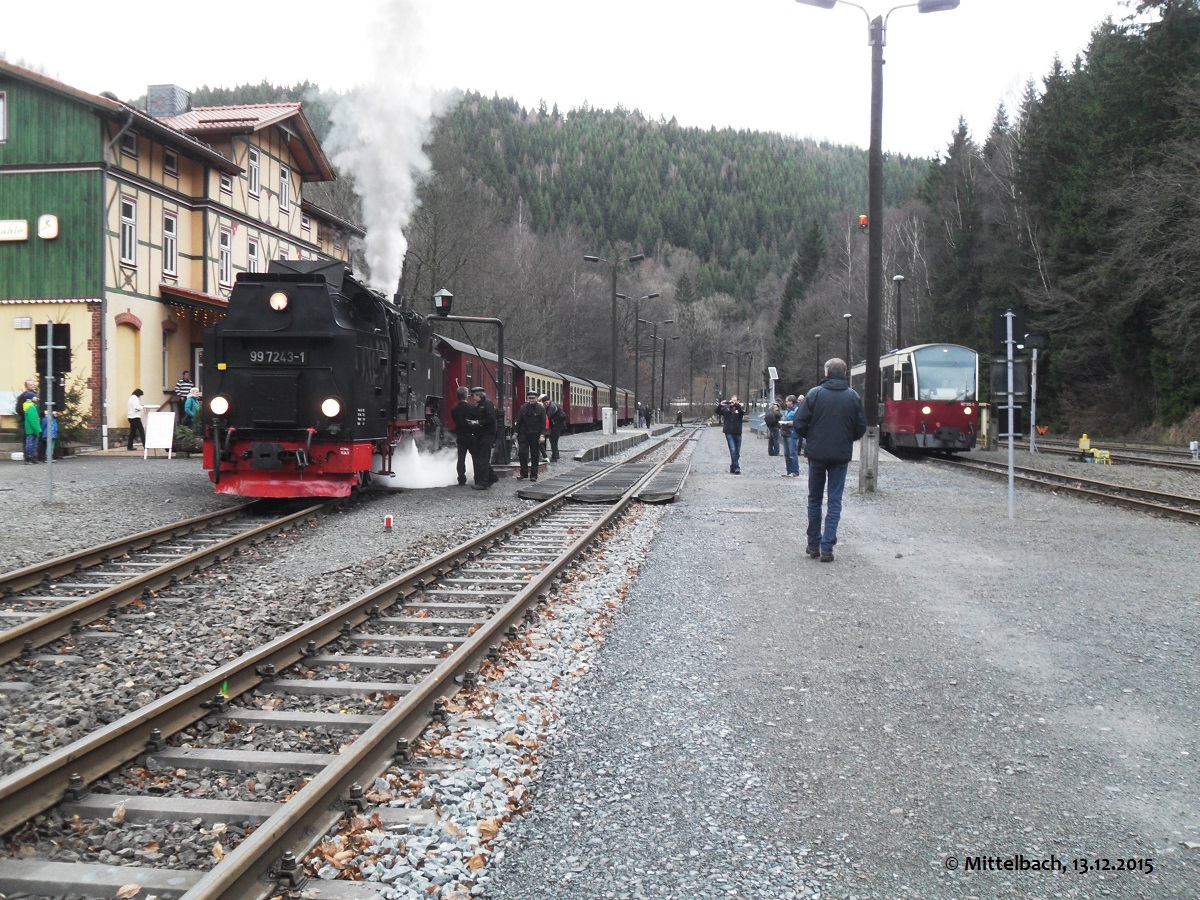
{"points": [[279, 301], [968, 410], [219, 406], [926, 410], [330, 408]]}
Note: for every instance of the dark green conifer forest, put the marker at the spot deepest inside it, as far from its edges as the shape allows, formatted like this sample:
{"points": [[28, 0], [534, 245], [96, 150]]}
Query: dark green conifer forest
{"points": [[1082, 206]]}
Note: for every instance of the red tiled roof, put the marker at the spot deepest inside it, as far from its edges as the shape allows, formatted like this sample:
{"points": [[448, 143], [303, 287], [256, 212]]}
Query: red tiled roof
{"points": [[210, 119]]}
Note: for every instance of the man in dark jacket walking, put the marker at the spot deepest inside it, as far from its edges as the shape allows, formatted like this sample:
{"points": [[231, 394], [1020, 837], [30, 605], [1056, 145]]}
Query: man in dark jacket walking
{"points": [[732, 413], [531, 425], [830, 419]]}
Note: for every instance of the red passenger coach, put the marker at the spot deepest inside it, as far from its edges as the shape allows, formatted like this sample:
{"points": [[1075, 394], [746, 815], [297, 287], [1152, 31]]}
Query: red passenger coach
{"points": [[579, 403], [930, 398], [468, 366]]}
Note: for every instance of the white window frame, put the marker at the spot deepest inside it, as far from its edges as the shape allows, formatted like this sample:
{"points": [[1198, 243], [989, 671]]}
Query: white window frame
{"points": [[225, 257], [253, 175], [128, 232], [166, 367], [285, 188], [3, 117], [170, 162], [226, 183], [129, 145], [305, 222], [170, 243], [252, 255]]}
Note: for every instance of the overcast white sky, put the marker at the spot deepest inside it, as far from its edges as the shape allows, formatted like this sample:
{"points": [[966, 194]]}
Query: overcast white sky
{"points": [[769, 65]]}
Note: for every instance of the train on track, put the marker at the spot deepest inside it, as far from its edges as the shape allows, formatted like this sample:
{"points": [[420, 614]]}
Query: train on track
{"points": [[930, 395], [312, 380]]}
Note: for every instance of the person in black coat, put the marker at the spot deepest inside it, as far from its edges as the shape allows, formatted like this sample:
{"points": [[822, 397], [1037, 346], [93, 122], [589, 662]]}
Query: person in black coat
{"points": [[484, 429], [462, 414], [830, 419], [531, 425], [557, 417], [732, 413]]}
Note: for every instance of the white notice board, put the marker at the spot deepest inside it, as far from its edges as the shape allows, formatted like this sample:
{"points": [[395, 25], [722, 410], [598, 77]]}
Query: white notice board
{"points": [[160, 432]]}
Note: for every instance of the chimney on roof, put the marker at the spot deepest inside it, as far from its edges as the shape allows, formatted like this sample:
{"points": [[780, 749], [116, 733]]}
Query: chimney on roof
{"points": [[166, 100]]}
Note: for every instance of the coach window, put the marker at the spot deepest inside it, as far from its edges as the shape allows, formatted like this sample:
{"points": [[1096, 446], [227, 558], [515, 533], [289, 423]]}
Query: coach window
{"points": [[128, 232]]}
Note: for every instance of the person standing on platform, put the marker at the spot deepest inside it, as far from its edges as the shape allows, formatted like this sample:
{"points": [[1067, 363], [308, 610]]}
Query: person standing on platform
{"points": [[791, 439], [771, 418], [462, 414], [33, 427], [191, 409], [830, 419], [732, 413], [531, 425], [133, 411], [558, 424], [19, 406], [482, 447], [183, 387]]}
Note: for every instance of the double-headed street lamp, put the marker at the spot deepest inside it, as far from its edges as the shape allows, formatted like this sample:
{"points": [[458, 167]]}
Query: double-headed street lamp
{"points": [[654, 353], [637, 360], [898, 280], [876, 38], [615, 263], [848, 317]]}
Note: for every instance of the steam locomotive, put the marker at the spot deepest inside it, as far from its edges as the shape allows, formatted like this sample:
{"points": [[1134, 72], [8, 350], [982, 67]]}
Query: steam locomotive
{"points": [[929, 394], [312, 380], [308, 378]]}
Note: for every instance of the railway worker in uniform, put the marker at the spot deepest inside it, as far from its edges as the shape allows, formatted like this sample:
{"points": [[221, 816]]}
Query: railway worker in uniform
{"points": [[791, 438], [183, 387], [462, 414], [557, 417], [484, 433], [732, 413], [133, 412], [830, 419], [531, 425]]}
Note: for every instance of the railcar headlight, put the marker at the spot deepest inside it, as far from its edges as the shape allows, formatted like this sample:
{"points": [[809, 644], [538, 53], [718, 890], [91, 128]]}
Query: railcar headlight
{"points": [[926, 410], [968, 410], [219, 406], [279, 301], [331, 409]]}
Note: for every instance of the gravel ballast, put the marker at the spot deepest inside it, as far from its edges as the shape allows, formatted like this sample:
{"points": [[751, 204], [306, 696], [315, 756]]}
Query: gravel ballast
{"points": [[721, 716]]}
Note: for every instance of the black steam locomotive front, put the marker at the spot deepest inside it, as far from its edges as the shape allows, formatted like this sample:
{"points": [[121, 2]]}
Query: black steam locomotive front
{"points": [[306, 381]]}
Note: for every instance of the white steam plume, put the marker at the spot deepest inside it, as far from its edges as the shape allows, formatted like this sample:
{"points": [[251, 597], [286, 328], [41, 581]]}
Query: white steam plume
{"points": [[378, 131]]}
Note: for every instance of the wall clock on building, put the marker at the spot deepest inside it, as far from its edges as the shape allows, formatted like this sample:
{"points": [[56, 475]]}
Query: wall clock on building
{"points": [[47, 227]]}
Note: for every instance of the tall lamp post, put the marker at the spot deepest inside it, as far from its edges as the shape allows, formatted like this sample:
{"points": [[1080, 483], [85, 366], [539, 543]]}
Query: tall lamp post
{"points": [[898, 281], [876, 38], [723, 394], [820, 368], [654, 353], [637, 359], [848, 317], [616, 264], [662, 385]]}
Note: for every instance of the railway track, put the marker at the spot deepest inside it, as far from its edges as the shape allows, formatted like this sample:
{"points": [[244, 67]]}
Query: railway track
{"points": [[1156, 502], [393, 655], [1123, 454], [48, 601]]}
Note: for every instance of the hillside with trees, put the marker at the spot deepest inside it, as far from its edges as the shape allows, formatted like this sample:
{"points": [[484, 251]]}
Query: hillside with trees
{"points": [[1080, 206]]}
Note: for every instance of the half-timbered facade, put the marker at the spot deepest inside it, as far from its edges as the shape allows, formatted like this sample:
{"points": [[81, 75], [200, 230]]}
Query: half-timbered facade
{"points": [[125, 230]]}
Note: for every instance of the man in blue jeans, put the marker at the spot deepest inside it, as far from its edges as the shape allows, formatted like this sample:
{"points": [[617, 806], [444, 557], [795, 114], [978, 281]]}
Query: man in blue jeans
{"points": [[830, 419], [732, 413]]}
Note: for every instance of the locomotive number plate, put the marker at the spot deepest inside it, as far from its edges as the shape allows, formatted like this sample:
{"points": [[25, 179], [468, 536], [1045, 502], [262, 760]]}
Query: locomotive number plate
{"points": [[279, 357]]}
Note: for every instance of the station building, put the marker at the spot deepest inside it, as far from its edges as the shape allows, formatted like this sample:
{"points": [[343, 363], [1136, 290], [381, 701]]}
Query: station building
{"points": [[125, 229]]}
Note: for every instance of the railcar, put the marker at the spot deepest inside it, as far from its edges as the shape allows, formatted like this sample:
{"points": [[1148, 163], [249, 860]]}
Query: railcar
{"points": [[579, 403], [929, 394], [469, 366], [312, 379]]}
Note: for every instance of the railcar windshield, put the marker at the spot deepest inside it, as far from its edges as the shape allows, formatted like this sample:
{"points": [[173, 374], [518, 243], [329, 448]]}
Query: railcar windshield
{"points": [[945, 373]]}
